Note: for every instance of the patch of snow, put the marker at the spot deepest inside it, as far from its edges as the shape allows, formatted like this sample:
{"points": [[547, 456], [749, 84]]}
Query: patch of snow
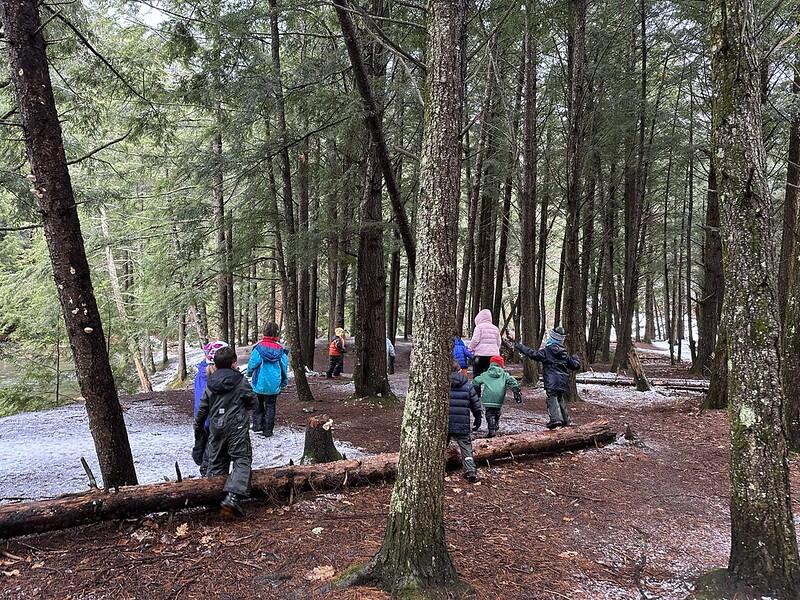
{"points": [[40, 452], [162, 379], [625, 396]]}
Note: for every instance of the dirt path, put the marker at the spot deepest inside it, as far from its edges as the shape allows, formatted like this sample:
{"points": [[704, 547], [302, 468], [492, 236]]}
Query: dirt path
{"points": [[629, 521]]}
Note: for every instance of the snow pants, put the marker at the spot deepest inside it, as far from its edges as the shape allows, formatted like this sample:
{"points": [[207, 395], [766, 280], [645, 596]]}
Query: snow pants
{"points": [[557, 406], [493, 419], [464, 441], [336, 366], [229, 443], [264, 414]]}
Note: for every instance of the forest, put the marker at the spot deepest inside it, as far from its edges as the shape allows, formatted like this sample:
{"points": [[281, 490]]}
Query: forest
{"points": [[339, 191]]}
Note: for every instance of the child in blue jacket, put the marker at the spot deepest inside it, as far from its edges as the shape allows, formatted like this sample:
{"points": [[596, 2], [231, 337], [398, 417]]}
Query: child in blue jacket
{"points": [[267, 369], [461, 354]]}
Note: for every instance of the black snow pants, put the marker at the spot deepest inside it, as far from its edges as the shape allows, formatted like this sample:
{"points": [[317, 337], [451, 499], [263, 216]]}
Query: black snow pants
{"points": [[557, 407], [493, 419], [228, 443], [335, 367], [264, 414]]}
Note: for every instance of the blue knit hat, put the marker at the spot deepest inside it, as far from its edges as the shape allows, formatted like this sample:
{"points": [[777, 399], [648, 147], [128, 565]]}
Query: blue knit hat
{"points": [[557, 336]]}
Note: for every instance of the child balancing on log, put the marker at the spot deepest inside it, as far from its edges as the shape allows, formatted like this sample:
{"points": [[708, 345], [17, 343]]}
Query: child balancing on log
{"points": [[557, 364]]}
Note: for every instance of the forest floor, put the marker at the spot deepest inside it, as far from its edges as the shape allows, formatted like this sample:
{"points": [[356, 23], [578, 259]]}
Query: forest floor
{"points": [[631, 520]]}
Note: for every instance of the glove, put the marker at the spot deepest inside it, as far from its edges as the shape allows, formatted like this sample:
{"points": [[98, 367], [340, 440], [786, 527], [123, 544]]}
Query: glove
{"points": [[517, 396], [477, 424], [200, 441]]}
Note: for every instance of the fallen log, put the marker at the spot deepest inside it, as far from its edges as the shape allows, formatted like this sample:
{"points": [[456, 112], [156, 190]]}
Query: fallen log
{"points": [[689, 385], [275, 484]]}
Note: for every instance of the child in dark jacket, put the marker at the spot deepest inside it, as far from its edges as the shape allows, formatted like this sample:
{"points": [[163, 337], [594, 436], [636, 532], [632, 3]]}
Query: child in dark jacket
{"points": [[494, 382], [557, 364], [267, 369], [462, 354], [464, 403], [226, 402], [204, 368], [336, 351]]}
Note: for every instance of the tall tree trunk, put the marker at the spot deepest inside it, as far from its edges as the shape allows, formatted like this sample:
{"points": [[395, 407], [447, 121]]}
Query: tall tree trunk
{"points": [[223, 327], [689, 229], [414, 554], [528, 276], [713, 288], [372, 114], [229, 283], [333, 260], [789, 275], [763, 541], [289, 291], [574, 307], [393, 310], [304, 250], [182, 368], [62, 230]]}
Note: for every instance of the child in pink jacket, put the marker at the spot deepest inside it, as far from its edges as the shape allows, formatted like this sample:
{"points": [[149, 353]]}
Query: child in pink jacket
{"points": [[485, 342]]}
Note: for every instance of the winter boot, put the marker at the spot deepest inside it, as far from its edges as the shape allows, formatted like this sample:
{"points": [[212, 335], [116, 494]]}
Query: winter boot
{"points": [[231, 507]]}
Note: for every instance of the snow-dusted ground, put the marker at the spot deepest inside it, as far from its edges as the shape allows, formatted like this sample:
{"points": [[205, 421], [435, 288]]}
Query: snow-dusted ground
{"points": [[40, 452]]}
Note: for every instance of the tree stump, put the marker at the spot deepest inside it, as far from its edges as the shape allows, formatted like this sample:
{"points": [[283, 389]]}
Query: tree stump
{"points": [[642, 384], [319, 447]]}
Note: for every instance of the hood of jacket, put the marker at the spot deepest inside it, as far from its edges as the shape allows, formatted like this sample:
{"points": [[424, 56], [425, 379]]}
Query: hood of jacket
{"points": [[484, 316], [222, 381], [495, 371], [458, 379], [270, 350]]}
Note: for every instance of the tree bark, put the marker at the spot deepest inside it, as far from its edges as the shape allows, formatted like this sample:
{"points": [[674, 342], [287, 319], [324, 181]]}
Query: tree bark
{"points": [[789, 275], [56, 203], [528, 276], [763, 542], [276, 483], [319, 446], [372, 118], [713, 288], [414, 554], [182, 369], [289, 279]]}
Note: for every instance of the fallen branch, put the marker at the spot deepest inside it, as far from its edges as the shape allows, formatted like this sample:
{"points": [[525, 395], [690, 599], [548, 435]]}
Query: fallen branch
{"points": [[275, 484]]}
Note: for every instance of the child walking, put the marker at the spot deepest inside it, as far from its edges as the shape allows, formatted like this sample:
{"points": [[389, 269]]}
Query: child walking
{"points": [[204, 368], [494, 382], [267, 369], [464, 402], [485, 341], [461, 354], [226, 402], [336, 351], [557, 364]]}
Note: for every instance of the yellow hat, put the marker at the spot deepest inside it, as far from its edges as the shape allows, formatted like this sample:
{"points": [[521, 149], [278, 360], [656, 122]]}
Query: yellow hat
{"points": [[339, 332]]}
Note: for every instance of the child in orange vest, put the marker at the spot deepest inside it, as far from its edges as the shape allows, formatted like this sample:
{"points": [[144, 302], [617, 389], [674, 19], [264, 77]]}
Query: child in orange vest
{"points": [[336, 351]]}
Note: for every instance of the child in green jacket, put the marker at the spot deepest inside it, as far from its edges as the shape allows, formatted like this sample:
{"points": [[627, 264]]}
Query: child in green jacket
{"points": [[494, 382]]}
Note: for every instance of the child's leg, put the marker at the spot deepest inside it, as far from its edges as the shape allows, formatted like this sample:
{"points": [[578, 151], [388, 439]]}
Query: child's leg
{"points": [[269, 414], [492, 420], [337, 370], [554, 409], [331, 366], [241, 454], [562, 403], [219, 461], [258, 413], [465, 448]]}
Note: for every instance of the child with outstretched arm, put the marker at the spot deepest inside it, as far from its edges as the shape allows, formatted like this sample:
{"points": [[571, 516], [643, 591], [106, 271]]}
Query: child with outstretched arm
{"points": [[557, 364], [494, 382]]}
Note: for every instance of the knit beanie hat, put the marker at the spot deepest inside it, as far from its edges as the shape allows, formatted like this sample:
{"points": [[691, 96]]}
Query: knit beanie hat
{"points": [[498, 360], [339, 332], [557, 336]]}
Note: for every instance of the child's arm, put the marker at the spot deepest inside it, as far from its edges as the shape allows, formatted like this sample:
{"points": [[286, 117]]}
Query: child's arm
{"points": [[475, 339], [477, 382], [284, 362], [255, 360], [512, 382], [476, 407], [202, 412], [573, 362], [537, 355], [248, 397]]}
